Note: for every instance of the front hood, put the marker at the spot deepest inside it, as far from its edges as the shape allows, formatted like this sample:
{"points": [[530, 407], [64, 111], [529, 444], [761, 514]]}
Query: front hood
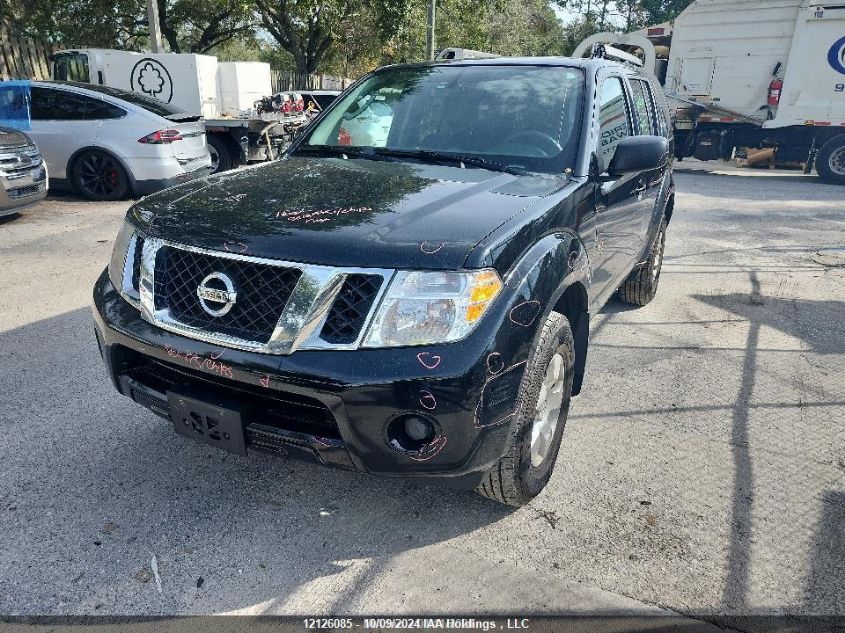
{"points": [[12, 138], [343, 212]]}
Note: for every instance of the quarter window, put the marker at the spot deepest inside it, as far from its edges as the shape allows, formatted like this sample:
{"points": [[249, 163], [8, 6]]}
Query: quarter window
{"points": [[613, 118], [643, 106]]}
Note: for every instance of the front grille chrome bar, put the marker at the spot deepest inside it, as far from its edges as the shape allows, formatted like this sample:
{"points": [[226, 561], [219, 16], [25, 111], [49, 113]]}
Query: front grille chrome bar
{"points": [[301, 321]]}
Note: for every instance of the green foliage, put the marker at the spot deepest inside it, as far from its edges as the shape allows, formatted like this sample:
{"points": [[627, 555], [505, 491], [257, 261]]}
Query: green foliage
{"points": [[195, 26], [506, 27], [595, 16]]}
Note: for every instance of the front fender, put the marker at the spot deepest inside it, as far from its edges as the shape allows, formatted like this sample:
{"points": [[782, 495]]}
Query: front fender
{"points": [[534, 286]]}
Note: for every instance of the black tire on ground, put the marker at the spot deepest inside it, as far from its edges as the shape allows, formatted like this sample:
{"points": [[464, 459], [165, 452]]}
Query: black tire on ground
{"points": [[830, 161], [520, 475], [221, 154], [641, 285], [99, 176]]}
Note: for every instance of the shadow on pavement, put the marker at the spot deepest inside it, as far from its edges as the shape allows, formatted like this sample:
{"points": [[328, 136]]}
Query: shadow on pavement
{"points": [[94, 485]]}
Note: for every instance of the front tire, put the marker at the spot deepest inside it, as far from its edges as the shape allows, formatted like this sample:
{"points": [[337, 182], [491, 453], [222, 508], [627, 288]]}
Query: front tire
{"points": [[99, 176], [541, 410], [830, 161], [641, 285]]}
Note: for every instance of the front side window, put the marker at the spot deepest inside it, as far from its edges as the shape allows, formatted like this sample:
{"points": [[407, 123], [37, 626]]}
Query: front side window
{"points": [[613, 118], [71, 67], [643, 106], [519, 115]]}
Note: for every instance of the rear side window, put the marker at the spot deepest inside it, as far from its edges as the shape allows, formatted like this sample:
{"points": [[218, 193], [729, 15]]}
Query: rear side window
{"points": [[60, 105], [613, 118], [643, 106], [151, 105]]}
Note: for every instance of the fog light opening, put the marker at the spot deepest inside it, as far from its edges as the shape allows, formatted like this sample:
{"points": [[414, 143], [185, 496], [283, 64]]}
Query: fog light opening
{"points": [[410, 433]]}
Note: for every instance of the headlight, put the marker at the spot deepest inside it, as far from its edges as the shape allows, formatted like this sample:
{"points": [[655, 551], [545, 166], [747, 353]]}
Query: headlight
{"points": [[118, 255], [421, 308]]}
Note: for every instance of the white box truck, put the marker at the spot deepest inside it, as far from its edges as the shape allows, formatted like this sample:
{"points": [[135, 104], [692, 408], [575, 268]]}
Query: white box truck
{"points": [[222, 93], [752, 73]]}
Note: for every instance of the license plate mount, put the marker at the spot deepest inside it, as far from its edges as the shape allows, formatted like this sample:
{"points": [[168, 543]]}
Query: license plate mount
{"points": [[207, 422]]}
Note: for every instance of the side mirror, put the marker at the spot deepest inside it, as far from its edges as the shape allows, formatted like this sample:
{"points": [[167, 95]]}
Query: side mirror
{"points": [[638, 153]]}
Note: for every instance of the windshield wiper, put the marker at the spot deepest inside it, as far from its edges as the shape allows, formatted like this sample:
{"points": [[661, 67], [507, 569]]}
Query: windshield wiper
{"points": [[443, 157], [339, 150]]}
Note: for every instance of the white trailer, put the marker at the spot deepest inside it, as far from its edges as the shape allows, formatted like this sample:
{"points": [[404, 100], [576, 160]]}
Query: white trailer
{"points": [[222, 93], [754, 73]]}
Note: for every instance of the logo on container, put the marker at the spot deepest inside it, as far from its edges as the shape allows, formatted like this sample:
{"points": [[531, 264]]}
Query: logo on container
{"points": [[836, 56], [150, 77]]}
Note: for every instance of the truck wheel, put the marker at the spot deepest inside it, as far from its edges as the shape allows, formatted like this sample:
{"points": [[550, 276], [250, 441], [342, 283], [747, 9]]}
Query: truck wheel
{"points": [[541, 409], [830, 161], [221, 154], [99, 176], [641, 285]]}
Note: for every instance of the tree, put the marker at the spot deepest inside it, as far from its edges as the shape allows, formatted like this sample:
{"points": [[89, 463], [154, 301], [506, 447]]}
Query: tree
{"points": [[309, 29], [192, 26], [198, 26], [656, 11]]}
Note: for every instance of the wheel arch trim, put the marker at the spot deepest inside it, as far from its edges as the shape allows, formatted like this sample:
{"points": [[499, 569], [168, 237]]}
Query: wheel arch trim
{"points": [[555, 272]]}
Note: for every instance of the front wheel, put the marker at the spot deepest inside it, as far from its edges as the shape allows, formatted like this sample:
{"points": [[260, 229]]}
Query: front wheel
{"points": [[541, 409], [830, 162], [99, 176], [641, 285]]}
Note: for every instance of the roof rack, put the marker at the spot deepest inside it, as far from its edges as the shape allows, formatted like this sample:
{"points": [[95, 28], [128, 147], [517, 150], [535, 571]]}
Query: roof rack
{"points": [[605, 51], [458, 54]]}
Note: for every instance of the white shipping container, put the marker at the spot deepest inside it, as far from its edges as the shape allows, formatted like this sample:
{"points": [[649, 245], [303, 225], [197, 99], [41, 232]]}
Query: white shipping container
{"points": [[241, 84], [187, 81]]}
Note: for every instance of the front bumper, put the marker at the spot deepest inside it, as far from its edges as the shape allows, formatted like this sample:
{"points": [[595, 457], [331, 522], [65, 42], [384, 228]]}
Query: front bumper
{"points": [[23, 190], [334, 407]]}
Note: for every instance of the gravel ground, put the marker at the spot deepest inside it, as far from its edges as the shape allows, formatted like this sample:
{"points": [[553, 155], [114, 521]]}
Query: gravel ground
{"points": [[702, 470]]}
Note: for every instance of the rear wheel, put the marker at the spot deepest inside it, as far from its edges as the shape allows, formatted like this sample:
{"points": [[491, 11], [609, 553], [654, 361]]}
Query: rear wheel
{"points": [[830, 161], [641, 285], [221, 154], [541, 409], [99, 176]]}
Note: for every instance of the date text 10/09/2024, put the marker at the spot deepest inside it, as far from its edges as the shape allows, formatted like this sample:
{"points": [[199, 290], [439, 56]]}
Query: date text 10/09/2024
{"points": [[417, 623]]}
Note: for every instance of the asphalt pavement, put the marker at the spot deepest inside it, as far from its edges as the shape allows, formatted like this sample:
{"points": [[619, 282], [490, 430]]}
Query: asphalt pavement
{"points": [[702, 470]]}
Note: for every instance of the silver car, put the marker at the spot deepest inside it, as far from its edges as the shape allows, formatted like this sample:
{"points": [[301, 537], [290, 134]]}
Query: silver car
{"points": [[23, 175], [108, 143]]}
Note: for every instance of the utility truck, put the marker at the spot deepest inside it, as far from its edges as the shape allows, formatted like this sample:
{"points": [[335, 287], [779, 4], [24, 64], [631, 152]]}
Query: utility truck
{"points": [[751, 74], [242, 122]]}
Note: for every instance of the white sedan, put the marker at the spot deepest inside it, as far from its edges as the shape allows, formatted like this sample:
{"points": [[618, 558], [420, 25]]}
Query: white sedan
{"points": [[108, 143]]}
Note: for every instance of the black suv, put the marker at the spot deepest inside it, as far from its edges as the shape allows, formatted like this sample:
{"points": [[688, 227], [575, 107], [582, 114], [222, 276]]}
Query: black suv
{"points": [[408, 291]]}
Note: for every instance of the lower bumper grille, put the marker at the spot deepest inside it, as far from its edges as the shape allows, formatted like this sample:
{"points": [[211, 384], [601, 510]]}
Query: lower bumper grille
{"points": [[29, 190], [286, 411]]}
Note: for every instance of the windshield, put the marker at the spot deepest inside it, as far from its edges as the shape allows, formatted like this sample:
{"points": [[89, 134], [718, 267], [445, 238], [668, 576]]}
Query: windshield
{"points": [[522, 116]]}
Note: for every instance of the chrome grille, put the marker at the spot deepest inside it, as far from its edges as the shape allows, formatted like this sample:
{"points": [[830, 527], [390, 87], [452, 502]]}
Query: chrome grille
{"points": [[280, 307], [349, 311], [262, 294], [17, 162]]}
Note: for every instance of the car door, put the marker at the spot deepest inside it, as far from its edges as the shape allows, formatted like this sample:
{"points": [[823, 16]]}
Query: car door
{"points": [[646, 123], [619, 202], [60, 126]]}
